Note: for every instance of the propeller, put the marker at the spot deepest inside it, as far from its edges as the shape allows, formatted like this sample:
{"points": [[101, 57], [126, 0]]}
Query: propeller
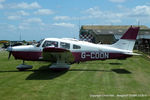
{"points": [[9, 49], [10, 52]]}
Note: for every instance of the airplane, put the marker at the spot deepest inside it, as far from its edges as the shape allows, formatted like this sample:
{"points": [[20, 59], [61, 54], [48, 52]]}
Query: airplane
{"points": [[65, 51]]}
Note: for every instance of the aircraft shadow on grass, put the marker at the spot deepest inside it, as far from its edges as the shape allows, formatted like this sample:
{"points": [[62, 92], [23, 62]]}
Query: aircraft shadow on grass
{"points": [[90, 70], [118, 71], [47, 74], [44, 73], [121, 71], [103, 63], [47, 71], [115, 63]]}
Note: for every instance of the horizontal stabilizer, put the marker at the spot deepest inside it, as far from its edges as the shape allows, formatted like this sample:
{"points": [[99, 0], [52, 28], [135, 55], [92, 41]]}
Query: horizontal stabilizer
{"points": [[134, 54]]}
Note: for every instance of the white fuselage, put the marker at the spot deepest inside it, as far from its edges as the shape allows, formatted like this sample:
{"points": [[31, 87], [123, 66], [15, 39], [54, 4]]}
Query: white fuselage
{"points": [[81, 50]]}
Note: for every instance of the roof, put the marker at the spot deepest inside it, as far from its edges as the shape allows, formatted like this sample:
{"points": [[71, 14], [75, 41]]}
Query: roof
{"points": [[107, 29], [111, 26]]}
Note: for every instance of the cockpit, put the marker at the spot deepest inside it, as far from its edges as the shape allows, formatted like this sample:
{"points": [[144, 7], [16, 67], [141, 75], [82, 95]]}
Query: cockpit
{"points": [[57, 44], [50, 44]]}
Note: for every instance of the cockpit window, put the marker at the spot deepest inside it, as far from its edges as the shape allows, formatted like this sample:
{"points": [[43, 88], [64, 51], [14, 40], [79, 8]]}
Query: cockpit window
{"points": [[50, 44], [64, 45], [39, 43], [76, 47]]}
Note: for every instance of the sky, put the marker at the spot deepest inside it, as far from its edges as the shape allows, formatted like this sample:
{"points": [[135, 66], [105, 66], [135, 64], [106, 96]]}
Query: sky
{"points": [[38, 19]]}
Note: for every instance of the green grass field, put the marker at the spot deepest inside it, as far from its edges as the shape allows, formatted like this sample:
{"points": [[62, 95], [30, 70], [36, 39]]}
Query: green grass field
{"points": [[105, 80]]}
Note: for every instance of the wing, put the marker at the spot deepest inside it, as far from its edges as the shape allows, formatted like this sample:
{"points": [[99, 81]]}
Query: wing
{"points": [[54, 54]]}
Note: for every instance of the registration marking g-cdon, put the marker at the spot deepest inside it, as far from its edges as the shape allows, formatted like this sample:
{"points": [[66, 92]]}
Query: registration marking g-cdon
{"points": [[95, 55]]}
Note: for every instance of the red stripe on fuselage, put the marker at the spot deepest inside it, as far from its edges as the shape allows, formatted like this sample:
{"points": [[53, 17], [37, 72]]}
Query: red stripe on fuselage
{"points": [[28, 55], [78, 56]]}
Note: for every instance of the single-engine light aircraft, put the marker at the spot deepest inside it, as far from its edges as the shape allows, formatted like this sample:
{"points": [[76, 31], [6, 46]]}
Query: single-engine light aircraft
{"points": [[65, 51]]}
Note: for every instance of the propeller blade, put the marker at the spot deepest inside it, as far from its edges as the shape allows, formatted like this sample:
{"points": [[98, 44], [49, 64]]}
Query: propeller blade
{"points": [[9, 49], [10, 44], [9, 55]]}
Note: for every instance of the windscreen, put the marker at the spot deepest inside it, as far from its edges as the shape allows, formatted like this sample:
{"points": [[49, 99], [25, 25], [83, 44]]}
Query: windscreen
{"points": [[39, 42]]}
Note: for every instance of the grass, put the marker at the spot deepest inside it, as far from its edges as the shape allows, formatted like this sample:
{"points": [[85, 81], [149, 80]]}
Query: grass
{"points": [[127, 78]]}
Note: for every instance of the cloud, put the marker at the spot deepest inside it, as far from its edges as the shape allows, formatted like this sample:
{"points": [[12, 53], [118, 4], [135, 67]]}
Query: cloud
{"points": [[17, 15], [62, 18], [25, 5], [23, 13], [31, 23], [34, 20], [12, 27], [140, 11], [2, 0], [24, 26], [64, 24], [95, 12], [1, 6], [66, 18], [43, 12], [13, 17], [114, 21], [117, 1], [30, 20]]}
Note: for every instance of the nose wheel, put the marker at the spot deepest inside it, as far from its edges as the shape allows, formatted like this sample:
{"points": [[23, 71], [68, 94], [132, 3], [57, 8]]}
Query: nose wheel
{"points": [[23, 67]]}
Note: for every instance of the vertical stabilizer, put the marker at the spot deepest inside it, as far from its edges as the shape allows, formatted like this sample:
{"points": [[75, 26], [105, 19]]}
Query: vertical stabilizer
{"points": [[127, 41]]}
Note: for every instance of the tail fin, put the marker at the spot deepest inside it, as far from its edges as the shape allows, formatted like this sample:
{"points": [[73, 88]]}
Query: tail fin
{"points": [[127, 41]]}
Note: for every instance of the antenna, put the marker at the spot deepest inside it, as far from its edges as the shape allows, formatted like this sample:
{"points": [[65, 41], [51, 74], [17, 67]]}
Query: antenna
{"points": [[79, 26], [138, 22], [20, 37], [79, 23]]}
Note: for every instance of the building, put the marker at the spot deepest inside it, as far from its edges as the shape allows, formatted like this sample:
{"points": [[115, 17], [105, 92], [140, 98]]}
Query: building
{"points": [[109, 34]]}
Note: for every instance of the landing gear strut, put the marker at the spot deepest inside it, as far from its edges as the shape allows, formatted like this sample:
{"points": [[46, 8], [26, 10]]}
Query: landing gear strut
{"points": [[59, 66], [23, 67]]}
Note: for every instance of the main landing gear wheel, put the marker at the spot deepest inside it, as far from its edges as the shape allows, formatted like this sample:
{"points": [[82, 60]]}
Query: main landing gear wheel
{"points": [[23, 67]]}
